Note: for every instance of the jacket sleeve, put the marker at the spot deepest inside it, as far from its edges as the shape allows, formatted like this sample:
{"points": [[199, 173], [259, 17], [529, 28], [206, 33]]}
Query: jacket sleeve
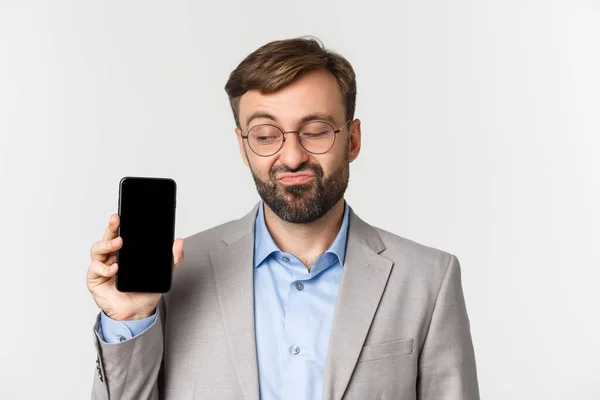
{"points": [[131, 370], [447, 367], [112, 331]]}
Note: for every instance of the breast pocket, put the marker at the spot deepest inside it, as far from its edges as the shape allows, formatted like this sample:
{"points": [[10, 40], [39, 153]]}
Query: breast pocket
{"points": [[386, 350]]}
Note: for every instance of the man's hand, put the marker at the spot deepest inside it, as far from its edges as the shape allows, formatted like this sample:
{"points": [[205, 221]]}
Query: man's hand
{"points": [[101, 274]]}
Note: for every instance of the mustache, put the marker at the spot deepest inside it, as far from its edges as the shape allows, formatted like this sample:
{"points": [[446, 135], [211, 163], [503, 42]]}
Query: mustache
{"points": [[315, 168]]}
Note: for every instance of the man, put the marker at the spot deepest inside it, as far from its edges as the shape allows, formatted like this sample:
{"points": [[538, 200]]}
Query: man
{"points": [[299, 299]]}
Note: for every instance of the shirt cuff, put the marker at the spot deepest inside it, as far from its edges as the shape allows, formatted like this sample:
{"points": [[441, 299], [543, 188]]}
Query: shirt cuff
{"points": [[113, 331]]}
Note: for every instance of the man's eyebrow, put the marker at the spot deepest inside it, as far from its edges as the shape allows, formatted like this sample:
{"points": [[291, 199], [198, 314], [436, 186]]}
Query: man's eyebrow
{"points": [[259, 114], [305, 119], [319, 117]]}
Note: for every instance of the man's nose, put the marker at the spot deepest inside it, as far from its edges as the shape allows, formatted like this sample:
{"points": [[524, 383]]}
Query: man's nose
{"points": [[292, 154]]}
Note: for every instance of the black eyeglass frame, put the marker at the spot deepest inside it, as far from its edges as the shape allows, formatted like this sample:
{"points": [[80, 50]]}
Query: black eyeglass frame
{"points": [[335, 132]]}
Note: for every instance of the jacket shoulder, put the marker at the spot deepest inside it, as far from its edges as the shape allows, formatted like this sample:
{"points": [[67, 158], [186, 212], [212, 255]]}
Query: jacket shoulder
{"points": [[195, 273], [208, 238], [421, 259]]}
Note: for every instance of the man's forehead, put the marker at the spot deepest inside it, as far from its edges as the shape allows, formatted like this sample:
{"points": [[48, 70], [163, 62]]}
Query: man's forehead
{"points": [[301, 100]]}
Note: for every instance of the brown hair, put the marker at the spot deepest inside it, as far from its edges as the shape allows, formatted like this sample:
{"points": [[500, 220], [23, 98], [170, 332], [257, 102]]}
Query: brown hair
{"points": [[278, 63]]}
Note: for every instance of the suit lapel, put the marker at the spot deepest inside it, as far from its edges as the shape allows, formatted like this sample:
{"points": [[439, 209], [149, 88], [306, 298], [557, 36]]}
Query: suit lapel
{"points": [[363, 282], [233, 270]]}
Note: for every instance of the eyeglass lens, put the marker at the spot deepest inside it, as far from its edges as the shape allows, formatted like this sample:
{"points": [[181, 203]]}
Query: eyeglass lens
{"points": [[315, 137]]}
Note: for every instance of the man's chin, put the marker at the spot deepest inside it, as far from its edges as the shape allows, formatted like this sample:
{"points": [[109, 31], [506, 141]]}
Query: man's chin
{"points": [[296, 190], [293, 204], [297, 205]]}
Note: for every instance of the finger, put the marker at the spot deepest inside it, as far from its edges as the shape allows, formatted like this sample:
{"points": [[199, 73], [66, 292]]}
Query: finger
{"points": [[100, 270], [101, 249], [177, 253], [112, 258], [112, 228]]}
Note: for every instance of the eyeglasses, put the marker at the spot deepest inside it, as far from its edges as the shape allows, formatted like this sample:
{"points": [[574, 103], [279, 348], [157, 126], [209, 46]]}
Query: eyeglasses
{"points": [[315, 137]]}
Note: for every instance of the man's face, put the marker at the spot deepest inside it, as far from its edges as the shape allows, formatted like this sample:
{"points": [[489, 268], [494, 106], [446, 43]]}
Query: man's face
{"points": [[299, 186]]}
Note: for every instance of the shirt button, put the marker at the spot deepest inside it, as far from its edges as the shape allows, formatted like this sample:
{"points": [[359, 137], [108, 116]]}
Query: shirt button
{"points": [[295, 350], [299, 286], [121, 338], [285, 259]]}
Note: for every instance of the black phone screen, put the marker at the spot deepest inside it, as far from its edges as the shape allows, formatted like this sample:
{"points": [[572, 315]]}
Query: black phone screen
{"points": [[147, 227]]}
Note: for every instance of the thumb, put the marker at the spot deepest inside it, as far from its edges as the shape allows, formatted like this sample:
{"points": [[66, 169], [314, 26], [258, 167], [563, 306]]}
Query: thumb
{"points": [[177, 253]]}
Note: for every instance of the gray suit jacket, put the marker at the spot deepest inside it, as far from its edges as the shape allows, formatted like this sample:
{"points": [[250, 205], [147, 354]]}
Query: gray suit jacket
{"points": [[400, 329]]}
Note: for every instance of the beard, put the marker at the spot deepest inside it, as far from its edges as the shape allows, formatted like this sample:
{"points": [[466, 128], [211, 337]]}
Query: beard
{"points": [[301, 204]]}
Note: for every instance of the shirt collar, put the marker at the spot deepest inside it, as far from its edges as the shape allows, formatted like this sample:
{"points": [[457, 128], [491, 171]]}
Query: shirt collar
{"points": [[264, 245]]}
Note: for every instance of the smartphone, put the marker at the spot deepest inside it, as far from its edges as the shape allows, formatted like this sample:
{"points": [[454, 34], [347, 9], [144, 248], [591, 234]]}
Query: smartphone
{"points": [[147, 211]]}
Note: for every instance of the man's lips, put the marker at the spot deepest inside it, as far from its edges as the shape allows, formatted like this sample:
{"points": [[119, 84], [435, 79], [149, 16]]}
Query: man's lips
{"points": [[295, 179]]}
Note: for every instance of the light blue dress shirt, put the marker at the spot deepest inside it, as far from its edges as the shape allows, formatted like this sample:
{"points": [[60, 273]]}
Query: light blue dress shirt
{"points": [[293, 311]]}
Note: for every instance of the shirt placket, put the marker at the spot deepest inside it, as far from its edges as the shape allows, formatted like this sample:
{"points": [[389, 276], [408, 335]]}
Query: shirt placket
{"points": [[296, 333]]}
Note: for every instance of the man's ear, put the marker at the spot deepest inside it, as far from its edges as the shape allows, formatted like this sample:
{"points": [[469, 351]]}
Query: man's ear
{"points": [[238, 133], [355, 139]]}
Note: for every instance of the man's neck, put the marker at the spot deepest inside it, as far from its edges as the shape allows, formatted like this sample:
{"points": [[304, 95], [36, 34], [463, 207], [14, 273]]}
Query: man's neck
{"points": [[305, 241]]}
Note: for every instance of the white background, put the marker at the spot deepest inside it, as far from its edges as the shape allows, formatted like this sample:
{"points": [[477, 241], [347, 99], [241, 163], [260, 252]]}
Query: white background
{"points": [[481, 136]]}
